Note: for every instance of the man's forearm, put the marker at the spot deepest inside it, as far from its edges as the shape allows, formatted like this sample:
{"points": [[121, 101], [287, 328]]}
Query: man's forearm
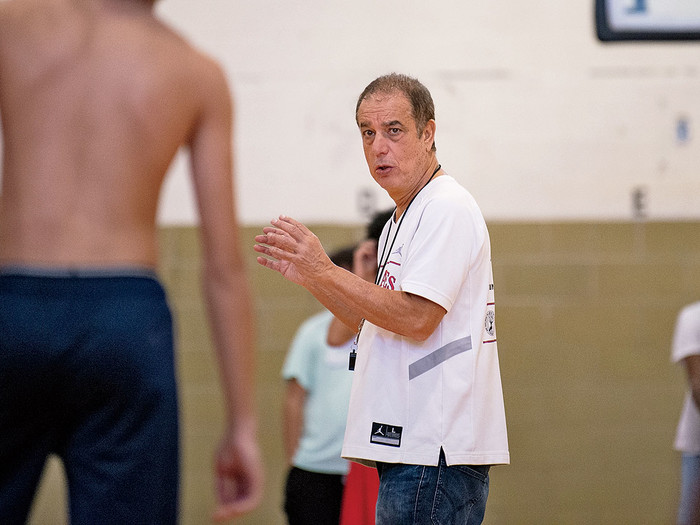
{"points": [[296, 253], [351, 298]]}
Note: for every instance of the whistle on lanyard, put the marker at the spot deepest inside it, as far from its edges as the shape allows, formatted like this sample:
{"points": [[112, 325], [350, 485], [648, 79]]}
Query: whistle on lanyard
{"points": [[353, 348]]}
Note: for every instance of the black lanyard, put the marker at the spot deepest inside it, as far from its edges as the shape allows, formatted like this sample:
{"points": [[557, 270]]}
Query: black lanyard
{"points": [[382, 266]]}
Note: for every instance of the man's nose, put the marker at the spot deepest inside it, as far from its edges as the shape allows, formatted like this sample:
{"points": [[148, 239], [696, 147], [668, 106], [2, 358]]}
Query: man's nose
{"points": [[380, 144]]}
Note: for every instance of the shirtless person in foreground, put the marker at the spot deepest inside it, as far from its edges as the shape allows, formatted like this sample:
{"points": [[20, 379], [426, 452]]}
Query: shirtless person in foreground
{"points": [[96, 97]]}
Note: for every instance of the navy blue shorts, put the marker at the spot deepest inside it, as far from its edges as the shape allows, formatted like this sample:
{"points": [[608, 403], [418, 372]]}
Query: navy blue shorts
{"points": [[87, 373]]}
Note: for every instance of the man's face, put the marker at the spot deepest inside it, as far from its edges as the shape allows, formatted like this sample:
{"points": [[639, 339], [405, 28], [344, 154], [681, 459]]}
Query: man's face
{"points": [[396, 155]]}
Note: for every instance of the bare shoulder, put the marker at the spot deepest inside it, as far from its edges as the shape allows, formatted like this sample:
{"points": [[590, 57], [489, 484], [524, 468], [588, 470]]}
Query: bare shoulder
{"points": [[212, 79], [213, 89], [208, 74]]}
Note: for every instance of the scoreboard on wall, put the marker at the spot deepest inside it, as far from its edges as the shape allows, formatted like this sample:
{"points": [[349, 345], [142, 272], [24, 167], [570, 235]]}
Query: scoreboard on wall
{"points": [[651, 20]]}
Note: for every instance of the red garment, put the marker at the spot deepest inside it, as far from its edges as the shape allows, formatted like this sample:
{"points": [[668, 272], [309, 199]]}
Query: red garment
{"points": [[360, 496]]}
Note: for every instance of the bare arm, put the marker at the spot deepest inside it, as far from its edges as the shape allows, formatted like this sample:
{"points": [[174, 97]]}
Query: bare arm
{"points": [[239, 470], [293, 417], [692, 367], [297, 254]]}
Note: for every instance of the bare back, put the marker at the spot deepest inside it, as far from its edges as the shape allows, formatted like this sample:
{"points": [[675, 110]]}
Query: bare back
{"points": [[96, 97]]}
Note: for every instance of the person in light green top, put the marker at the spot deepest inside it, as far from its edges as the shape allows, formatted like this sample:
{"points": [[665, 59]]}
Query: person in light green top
{"points": [[316, 406]]}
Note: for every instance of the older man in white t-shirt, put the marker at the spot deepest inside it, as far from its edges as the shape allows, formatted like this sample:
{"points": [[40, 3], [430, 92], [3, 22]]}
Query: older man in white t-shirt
{"points": [[426, 406]]}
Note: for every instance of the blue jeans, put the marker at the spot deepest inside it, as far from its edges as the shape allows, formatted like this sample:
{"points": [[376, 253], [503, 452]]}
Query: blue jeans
{"points": [[690, 489], [442, 495]]}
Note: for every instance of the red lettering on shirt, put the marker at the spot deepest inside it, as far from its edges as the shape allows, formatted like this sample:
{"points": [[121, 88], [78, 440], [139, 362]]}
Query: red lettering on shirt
{"points": [[388, 281]]}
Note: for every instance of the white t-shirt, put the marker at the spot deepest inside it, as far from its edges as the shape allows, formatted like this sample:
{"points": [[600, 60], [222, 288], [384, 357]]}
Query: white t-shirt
{"points": [[411, 398], [686, 342]]}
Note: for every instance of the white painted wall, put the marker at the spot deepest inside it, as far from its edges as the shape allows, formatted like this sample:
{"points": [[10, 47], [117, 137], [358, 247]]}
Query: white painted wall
{"points": [[535, 117]]}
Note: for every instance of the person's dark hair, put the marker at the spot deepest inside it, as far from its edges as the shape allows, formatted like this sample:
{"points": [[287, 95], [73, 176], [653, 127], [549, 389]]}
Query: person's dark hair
{"points": [[421, 101], [376, 225], [343, 257]]}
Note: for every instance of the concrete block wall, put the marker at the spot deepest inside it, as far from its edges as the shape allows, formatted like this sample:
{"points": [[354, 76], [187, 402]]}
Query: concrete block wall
{"points": [[585, 315]]}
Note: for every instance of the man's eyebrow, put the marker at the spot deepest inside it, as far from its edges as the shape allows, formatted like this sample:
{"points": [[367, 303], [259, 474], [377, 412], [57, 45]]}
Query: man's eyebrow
{"points": [[392, 124]]}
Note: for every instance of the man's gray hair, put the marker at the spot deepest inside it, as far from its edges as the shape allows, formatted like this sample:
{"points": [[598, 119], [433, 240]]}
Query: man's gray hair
{"points": [[422, 106]]}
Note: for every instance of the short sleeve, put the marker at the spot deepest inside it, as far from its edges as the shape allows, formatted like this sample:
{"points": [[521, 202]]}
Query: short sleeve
{"points": [[686, 337], [303, 352], [448, 237]]}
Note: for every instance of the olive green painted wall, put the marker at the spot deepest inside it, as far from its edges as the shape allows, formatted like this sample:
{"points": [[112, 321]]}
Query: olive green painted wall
{"points": [[585, 315]]}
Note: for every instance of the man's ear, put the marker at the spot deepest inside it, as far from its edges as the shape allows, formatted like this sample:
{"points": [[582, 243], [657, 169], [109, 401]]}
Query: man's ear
{"points": [[428, 134]]}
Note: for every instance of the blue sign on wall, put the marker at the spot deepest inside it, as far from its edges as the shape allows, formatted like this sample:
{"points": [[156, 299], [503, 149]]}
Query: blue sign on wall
{"points": [[651, 20]]}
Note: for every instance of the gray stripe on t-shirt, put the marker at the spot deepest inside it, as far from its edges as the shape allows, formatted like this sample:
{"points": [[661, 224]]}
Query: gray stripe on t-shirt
{"points": [[439, 356]]}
